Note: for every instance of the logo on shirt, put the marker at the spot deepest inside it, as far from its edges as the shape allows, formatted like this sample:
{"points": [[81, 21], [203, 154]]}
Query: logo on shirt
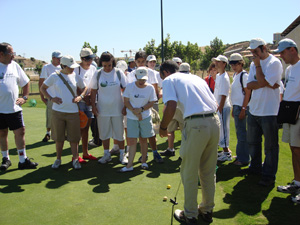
{"points": [[1, 75], [103, 84], [139, 96]]}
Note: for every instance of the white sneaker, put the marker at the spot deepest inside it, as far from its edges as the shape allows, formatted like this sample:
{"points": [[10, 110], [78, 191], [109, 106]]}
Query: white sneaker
{"points": [[106, 158], [145, 166], [125, 159], [225, 157], [114, 151], [220, 153], [125, 169], [56, 164], [76, 164]]}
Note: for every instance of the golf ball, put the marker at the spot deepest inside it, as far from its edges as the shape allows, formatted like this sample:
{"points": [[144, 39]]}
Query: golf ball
{"points": [[168, 186], [165, 198]]}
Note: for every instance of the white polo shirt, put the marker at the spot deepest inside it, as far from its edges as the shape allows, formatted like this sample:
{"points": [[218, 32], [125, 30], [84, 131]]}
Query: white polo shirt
{"points": [[265, 101], [222, 87], [237, 96], [11, 78], [191, 94]]}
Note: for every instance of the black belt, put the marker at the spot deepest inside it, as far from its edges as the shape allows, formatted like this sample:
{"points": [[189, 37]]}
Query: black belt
{"points": [[200, 116]]}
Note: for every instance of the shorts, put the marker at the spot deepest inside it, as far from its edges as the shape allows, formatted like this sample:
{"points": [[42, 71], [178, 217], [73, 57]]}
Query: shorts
{"points": [[143, 128], [48, 114], [13, 121], [176, 122], [291, 134], [111, 127], [65, 124], [87, 109]]}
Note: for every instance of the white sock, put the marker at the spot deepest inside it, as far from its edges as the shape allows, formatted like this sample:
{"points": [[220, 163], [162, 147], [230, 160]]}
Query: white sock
{"points": [[171, 149], [127, 148], [22, 155], [5, 154], [106, 152], [48, 132], [297, 183]]}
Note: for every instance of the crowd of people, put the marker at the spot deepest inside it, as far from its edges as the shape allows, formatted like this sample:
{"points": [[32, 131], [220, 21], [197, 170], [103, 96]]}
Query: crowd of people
{"points": [[119, 100]]}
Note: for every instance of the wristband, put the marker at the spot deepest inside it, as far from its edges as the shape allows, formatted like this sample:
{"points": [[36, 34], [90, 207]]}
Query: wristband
{"points": [[50, 98], [142, 109], [81, 96], [163, 128], [244, 108], [257, 67]]}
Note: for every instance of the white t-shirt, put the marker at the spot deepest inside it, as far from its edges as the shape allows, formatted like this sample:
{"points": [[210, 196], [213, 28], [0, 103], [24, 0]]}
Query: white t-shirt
{"points": [[61, 91], [292, 89], [222, 87], [159, 80], [47, 70], [86, 75], [138, 97], [11, 78], [110, 102], [265, 101], [191, 94], [237, 96], [152, 79]]}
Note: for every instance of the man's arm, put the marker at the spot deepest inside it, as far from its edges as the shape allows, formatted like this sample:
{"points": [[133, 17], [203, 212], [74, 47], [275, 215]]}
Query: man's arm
{"points": [[41, 81], [21, 101], [167, 117]]}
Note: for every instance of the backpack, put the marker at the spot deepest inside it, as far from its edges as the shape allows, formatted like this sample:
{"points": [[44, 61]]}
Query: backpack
{"points": [[241, 81]]}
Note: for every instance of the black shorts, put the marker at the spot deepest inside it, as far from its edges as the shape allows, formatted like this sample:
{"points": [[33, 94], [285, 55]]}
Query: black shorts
{"points": [[13, 121]]}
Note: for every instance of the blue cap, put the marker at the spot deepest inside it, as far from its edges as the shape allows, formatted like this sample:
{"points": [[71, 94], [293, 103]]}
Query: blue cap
{"points": [[56, 54], [285, 43]]}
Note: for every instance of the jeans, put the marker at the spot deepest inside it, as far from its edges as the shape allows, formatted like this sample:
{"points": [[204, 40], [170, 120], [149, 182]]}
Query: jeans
{"points": [[242, 151], [225, 127], [267, 126]]}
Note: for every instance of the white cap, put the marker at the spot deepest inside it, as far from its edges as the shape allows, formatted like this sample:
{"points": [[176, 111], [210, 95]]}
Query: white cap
{"points": [[87, 52], [221, 58], [184, 67], [255, 42], [151, 58], [177, 60], [235, 57], [122, 65], [131, 59], [142, 73], [68, 61]]}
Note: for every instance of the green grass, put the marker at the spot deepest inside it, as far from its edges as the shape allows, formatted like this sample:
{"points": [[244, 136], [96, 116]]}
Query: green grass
{"points": [[97, 194]]}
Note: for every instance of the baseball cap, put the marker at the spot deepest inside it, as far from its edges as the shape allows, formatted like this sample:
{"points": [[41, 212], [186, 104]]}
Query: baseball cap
{"points": [[184, 67], [56, 54], [255, 42], [68, 61], [151, 58], [142, 73], [285, 43], [177, 60], [87, 52], [235, 58], [131, 59], [122, 65], [220, 58]]}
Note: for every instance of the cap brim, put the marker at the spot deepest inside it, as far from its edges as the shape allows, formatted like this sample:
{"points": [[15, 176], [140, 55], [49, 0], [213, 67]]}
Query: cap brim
{"points": [[142, 77], [73, 66], [215, 59]]}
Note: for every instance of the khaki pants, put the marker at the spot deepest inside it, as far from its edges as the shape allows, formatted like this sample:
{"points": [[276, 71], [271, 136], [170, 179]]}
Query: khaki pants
{"points": [[198, 151], [48, 114]]}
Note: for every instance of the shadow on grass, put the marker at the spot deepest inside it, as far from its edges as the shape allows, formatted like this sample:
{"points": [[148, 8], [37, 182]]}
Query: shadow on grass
{"points": [[247, 197], [13, 151], [285, 208], [228, 171]]}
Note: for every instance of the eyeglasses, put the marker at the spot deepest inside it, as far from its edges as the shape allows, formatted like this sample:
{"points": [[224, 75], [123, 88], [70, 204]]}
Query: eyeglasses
{"points": [[87, 59]]}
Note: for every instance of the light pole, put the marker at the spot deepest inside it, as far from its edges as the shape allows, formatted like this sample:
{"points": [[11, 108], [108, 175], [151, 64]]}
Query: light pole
{"points": [[162, 31]]}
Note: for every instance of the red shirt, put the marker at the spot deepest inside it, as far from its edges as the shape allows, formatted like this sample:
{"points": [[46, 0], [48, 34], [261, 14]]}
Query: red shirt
{"points": [[210, 82]]}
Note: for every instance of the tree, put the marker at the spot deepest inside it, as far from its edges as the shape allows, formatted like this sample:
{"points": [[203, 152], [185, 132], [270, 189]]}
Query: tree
{"points": [[38, 68], [87, 45], [150, 48], [169, 52], [216, 48]]}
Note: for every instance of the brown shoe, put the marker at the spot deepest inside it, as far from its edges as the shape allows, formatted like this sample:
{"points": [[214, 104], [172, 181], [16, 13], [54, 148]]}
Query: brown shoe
{"points": [[207, 216]]}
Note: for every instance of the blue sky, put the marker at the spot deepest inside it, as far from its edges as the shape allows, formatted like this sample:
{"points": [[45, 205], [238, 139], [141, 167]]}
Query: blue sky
{"points": [[36, 28]]}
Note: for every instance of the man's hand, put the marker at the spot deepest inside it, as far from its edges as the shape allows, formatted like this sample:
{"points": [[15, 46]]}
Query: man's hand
{"points": [[57, 100], [163, 133], [20, 101], [95, 111]]}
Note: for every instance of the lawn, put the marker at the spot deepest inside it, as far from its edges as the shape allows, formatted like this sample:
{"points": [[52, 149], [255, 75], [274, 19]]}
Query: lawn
{"points": [[97, 194]]}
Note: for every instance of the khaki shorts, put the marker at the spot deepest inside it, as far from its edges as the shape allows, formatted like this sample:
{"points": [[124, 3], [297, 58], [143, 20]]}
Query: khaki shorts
{"points": [[176, 122], [65, 124], [111, 127], [291, 134], [48, 114]]}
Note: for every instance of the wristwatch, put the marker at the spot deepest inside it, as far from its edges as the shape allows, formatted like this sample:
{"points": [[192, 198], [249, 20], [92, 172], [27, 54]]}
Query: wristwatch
{"points": [[25, 98], [142, 109]]}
